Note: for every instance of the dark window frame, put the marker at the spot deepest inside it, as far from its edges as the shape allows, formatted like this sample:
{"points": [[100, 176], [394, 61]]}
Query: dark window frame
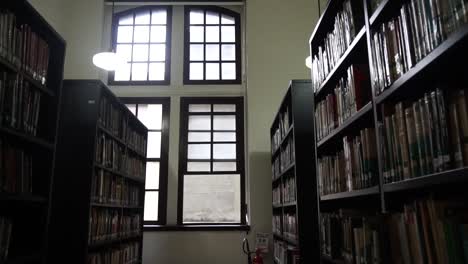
{"points": [[221, 10], [164, 158], [240, 153], [168, 43]]}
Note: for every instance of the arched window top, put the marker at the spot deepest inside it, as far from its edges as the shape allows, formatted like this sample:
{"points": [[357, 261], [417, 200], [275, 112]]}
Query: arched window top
{"points": [[142, 36], [212, 46]]}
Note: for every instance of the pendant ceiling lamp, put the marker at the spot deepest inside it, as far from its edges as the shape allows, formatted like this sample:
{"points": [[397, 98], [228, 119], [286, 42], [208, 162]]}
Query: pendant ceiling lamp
{"points": [[108, 60]]}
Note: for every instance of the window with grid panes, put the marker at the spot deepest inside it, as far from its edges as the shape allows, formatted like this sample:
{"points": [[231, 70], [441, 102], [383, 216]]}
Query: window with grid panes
{"points": [[211, 179], [154, 114], [212, 46], [142, 37]]}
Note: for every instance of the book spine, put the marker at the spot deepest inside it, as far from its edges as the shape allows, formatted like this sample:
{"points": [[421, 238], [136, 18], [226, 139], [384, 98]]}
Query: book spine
{"points": [[444, 129], [413, 145]]}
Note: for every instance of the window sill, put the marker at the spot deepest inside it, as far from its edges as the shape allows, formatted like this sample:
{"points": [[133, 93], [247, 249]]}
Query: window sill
{"points": [[196, 228]]}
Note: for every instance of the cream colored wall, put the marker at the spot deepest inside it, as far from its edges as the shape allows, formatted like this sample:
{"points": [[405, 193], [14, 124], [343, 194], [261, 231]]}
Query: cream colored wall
{"points": [[276, 46]]}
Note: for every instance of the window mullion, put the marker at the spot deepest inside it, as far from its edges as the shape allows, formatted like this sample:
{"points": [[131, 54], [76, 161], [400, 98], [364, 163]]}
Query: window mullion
{"points": [[133, 40], [220, 45], [149, 46]]}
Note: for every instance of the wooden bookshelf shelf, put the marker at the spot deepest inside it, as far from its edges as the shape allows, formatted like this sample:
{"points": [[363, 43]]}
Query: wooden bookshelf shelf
{"points": [[30, 139], [346, 124], [287, 169], [455, 41], [289, 204], [44, 89], [133, 178], [357, 193], [22, 198], [109, 242], [341, 64], [456, 176], [378, 12], [112, 135]]}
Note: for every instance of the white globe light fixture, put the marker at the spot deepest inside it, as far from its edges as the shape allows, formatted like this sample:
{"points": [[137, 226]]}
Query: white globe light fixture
{"points": [[109, 61], [308, 62]]}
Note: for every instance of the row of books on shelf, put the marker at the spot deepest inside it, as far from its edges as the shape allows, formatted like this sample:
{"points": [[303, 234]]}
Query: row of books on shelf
{"points": [[16, 168], [108, 224], [355, 167], [286, 192], [349, 96], [284, 123], [24, 48], [276, 169], [6, 226], [107, 188], [19, 103], [276, 221], [112, 118], [112, 155], [285, 253], [127, 253], [136, 140], [351, 237], [419, 28], [425, 136], [290, 225], [287, 156], [336, 42]]}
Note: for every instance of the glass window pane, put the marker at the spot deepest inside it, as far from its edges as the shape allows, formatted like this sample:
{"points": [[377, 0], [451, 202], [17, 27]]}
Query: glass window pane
{"points": [[196, 71], [212, 18], [154, 144], [126, 20], [157, 52], [152, 175], [124, 51], [199, 151], [224, 136], [198, 108], [224, 108], [199, 136], [150, 115], [159, 17], [212, 199], [125, 34], [228, 34], [122, 73], [141, 34], [196, 52], [224, 166], [228, 52], [212, 52], [157, 71], [228, 71], [151, 206], [132, 108], [224, 122], [198, 166], [140, 52], [142, 18], [158, 34], [212, 34], [227, 19], [197, 34], [196, 17], [224, 151], [212, 71], [199, 122], [139, 71]]}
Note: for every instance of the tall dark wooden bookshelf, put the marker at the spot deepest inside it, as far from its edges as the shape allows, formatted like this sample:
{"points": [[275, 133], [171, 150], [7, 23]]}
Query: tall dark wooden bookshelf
{"points": [[292, 137], [30, 90], [92, 180], [394, 191]]}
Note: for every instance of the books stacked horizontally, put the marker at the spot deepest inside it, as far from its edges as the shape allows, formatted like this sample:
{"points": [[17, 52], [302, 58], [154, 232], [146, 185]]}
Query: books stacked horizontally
{"points": [[290, 225], [351, 237], [109, 224], [281, 131], [335, 43], [277, 196], [289, 190], [349, 96], [429, 231], [421, 26], [23, 48], [287, 155], [353, 168], [426, 136], [16, 169], [285, 254], [5, 235], [110, 189], [127, 254], [19, 103]]}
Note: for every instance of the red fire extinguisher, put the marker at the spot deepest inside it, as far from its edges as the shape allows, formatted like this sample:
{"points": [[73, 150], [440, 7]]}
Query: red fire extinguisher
{"points": [[258, 257]]}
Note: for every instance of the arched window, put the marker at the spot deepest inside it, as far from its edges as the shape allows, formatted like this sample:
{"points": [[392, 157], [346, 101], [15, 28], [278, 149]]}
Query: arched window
{"points": [[212, 46], [142, 37]]}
